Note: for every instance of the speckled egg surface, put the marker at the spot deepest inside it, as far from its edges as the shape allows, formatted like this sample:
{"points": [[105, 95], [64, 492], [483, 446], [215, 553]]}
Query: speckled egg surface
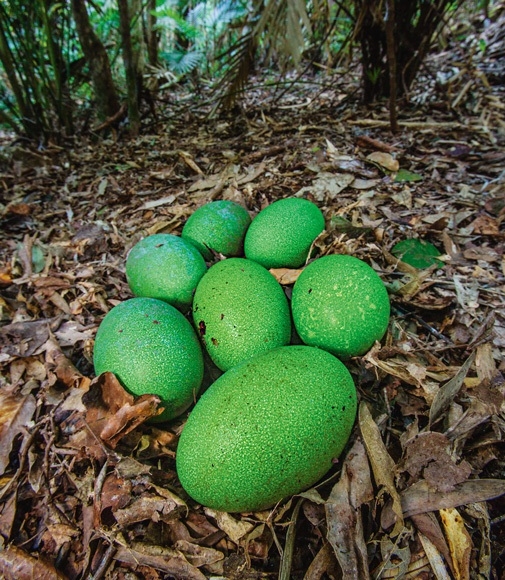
{"points": [[240, 310], [340, 304], [152, 349], [267, 429], [166, 267], [280, 236], [219, 226]]}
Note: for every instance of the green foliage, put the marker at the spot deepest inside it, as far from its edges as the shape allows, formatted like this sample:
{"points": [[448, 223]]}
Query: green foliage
{"points": [[36, 49]]}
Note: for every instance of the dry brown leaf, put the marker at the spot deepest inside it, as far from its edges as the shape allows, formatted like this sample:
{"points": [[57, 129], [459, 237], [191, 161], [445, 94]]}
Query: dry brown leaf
{"points": [[428, 455], [436, 561], [16, 564], [234, 529], [420, 498], [460, 543], [385, 160], [428, 526], [16, 412], [383, 466], [447, 392], [175, 565], [323, 562], [343, 513], [150, 507], [285, 276], [198, 555]]}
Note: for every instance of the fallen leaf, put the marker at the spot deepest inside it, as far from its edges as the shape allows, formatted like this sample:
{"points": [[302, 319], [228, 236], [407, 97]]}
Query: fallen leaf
{"points": [[16, 564], [383, 466], [428, 456], [343, 513], [435, 558], [385, 160], [234, 529], [326, 186], [150, 507], [420, 498], [460, 543], [175, 565], [16, 412], [408, 176], [285, 276], [447, 392]]}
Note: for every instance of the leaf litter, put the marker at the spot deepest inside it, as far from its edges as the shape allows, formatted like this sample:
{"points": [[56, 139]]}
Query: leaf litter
{"points": [[89, 490]]}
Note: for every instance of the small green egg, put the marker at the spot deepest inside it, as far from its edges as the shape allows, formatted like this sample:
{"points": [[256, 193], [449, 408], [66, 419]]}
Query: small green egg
{"points": [[340, 304], [166, 267], [280, 236], [153, 350], [219, 226], [240, 310]]}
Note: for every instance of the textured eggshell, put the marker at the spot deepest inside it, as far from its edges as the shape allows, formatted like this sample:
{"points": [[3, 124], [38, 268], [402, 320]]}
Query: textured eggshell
{"points": [[280, 236], [219, 226], [152, 349], [267, 429], [240, 310], [166, 267], [340, 304]]}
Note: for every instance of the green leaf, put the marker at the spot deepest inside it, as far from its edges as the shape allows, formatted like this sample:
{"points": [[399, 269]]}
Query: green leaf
{"points": [[38, 260], [404, 175], [417, 253]]}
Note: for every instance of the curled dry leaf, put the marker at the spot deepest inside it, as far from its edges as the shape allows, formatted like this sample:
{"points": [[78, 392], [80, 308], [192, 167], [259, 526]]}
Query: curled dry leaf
{"points": [[383, 466], [460, 542], [420, 498], [16, 412], [385, 160], [285, 276], [171, 563], [343, 513], [16, 563], [234, 529]]}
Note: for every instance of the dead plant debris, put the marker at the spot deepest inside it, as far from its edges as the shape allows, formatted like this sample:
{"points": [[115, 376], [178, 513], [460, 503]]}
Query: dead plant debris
{"points": [[88, 490]]}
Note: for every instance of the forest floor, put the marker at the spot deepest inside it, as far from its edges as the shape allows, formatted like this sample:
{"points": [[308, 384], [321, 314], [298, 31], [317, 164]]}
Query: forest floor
{"points": [[88, 490]]}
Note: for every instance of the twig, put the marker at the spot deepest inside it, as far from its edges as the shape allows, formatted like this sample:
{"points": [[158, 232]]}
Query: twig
{"points": [[287, 555]]}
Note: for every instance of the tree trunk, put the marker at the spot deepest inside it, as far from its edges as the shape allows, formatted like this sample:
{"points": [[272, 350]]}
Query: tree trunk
{"points": [[416, 24], [152, 36], [130, 72], [106, 97]]}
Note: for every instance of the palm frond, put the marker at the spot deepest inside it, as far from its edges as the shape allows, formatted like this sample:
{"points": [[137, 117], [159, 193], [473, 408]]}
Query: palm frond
{"points": [[282, 26]]}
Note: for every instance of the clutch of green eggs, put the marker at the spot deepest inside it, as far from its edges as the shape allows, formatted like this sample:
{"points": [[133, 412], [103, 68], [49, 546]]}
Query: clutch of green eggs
{"points": [[242, 318]]}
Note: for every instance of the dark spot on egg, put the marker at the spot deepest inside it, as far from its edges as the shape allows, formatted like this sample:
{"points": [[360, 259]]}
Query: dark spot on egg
{"points": [[201, 328]]}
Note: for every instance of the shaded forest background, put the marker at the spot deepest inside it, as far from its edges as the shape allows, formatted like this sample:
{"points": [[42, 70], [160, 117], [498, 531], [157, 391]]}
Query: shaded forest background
{"points": [[74, 67], [119, 119]]}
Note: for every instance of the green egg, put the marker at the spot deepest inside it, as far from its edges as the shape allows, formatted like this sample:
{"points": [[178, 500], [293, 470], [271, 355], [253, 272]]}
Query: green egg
{"points": [[340, 304], [166, 267], [153, 350], [219, 226], [280, 236], [267, 429], [240, 310]]}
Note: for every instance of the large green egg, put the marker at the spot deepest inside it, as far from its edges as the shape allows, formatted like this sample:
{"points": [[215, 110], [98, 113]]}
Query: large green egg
{"points": [[340, 304], [219, 226], [166, 267], [240, 310], [267, 429], [152, 349], [280, 236]]}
